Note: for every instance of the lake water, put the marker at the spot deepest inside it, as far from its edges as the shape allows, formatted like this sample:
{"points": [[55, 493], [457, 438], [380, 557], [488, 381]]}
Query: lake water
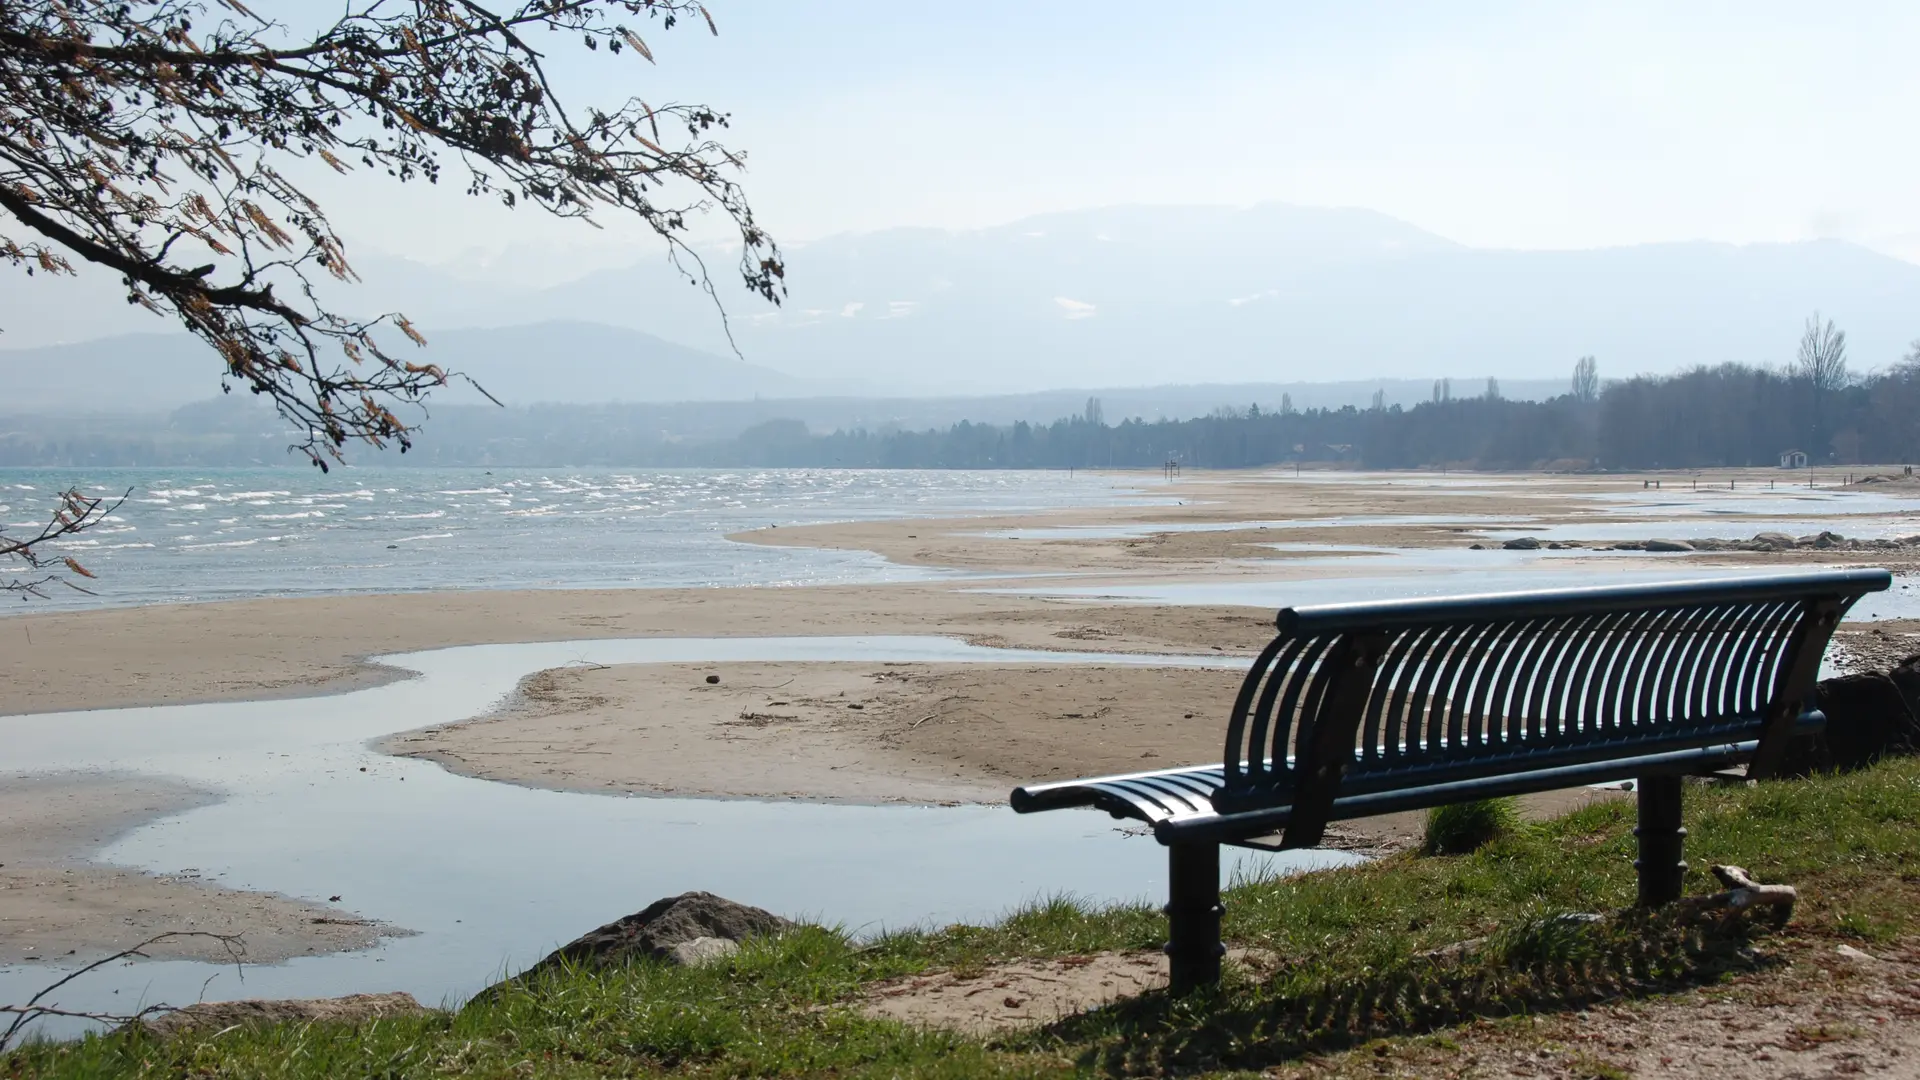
{"points": [[222, 534]]}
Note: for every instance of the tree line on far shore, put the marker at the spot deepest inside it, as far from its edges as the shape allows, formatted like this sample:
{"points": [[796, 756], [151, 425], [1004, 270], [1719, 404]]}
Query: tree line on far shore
{"points": [[1729, 415]]}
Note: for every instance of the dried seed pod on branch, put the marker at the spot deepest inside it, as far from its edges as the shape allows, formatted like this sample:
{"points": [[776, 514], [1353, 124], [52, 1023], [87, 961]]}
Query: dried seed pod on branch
{"points": [[26, 568]]}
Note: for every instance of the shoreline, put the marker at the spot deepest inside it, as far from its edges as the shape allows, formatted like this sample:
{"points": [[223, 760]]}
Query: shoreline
{"points": [[925, 733], [61, 904]]}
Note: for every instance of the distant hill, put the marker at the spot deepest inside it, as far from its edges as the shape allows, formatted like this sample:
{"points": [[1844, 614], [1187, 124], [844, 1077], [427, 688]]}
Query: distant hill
{"points": [[1130, 296], [591, 362], [1151, 295], [521, 365]]}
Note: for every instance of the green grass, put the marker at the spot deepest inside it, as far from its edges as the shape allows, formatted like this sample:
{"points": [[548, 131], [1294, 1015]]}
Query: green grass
{"points": [[1362, 954], [1463, 828]]}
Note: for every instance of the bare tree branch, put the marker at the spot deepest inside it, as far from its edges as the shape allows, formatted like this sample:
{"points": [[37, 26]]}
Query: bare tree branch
{"points": [[33, 1010], [75, 512], [150, 139]]}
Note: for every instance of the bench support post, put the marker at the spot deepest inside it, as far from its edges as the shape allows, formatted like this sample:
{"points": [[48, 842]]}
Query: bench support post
{"points": [[1193, 916], [1661, 839]]}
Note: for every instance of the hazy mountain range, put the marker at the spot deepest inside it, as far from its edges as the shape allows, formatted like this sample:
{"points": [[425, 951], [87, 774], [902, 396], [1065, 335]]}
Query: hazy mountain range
{"points": [[525, 364], [1127, 296]]}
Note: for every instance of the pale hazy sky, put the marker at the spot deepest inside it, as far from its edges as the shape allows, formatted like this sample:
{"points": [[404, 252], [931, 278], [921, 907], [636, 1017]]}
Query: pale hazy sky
{"points": [[1528, 125]]}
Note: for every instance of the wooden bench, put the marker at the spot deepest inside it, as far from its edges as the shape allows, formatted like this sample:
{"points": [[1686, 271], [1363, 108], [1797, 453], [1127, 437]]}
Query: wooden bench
{"points": [[1363, 709]]}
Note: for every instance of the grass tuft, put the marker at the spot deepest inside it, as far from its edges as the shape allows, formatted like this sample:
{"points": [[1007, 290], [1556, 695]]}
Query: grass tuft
{"points": [[1463, 828]]}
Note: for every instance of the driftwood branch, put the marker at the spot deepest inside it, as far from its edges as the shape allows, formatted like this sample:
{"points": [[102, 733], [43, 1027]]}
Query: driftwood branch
{"points": [[36, 1007], [1744, 892]]}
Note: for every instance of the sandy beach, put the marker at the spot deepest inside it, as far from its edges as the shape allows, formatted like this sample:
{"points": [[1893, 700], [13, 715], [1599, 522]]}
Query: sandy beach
{"points": [[56, 902], [852, 732], [880, 733]]}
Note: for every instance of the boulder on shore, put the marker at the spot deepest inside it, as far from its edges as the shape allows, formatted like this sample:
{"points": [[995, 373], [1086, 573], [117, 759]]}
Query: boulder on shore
{"points": [[1868, 718], [1666, 545], [692, 928], [1522, 543]]}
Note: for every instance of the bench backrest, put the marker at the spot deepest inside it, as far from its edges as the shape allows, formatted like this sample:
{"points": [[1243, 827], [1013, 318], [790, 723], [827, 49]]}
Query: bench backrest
{"points": [[1355, 698]]}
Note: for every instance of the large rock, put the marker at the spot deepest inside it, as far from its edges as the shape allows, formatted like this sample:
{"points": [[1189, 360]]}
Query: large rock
{"points": [[1773, 541], [1522, 543], [1867, 718], [669, 930], [1668, 545], [219, 1015]]}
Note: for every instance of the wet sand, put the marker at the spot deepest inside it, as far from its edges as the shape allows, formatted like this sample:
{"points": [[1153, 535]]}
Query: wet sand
{"points": [[57, 905]]}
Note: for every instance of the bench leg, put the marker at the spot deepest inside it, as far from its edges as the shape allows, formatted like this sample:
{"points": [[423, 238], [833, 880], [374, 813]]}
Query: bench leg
{"points": [[1193, 916], [1660, 865]]}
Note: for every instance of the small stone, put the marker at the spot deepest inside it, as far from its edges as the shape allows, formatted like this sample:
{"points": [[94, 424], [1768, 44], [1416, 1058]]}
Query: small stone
{"points": [[713, 680], [1856, 955]]}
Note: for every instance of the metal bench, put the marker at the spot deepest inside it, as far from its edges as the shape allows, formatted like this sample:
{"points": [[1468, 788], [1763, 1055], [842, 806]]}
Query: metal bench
{"points": [[1363, 709]]}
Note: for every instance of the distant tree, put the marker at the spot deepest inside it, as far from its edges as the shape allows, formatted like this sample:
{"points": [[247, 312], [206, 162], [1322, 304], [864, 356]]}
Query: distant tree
{"points": [[1446, 389], [1822, 358], [154, 139], [1380, 400], [1493, 388], [1821, 365], [1094, 414], [1586, 379], [1286, 404], [1436, 392]]}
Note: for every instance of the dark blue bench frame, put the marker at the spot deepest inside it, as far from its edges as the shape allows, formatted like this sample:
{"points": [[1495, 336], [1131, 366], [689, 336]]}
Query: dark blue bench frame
{"points": [[1363, 709]]}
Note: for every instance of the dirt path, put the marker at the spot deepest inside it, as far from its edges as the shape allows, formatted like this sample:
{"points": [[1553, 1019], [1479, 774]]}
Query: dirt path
{"points": [[1826, 1013]]}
